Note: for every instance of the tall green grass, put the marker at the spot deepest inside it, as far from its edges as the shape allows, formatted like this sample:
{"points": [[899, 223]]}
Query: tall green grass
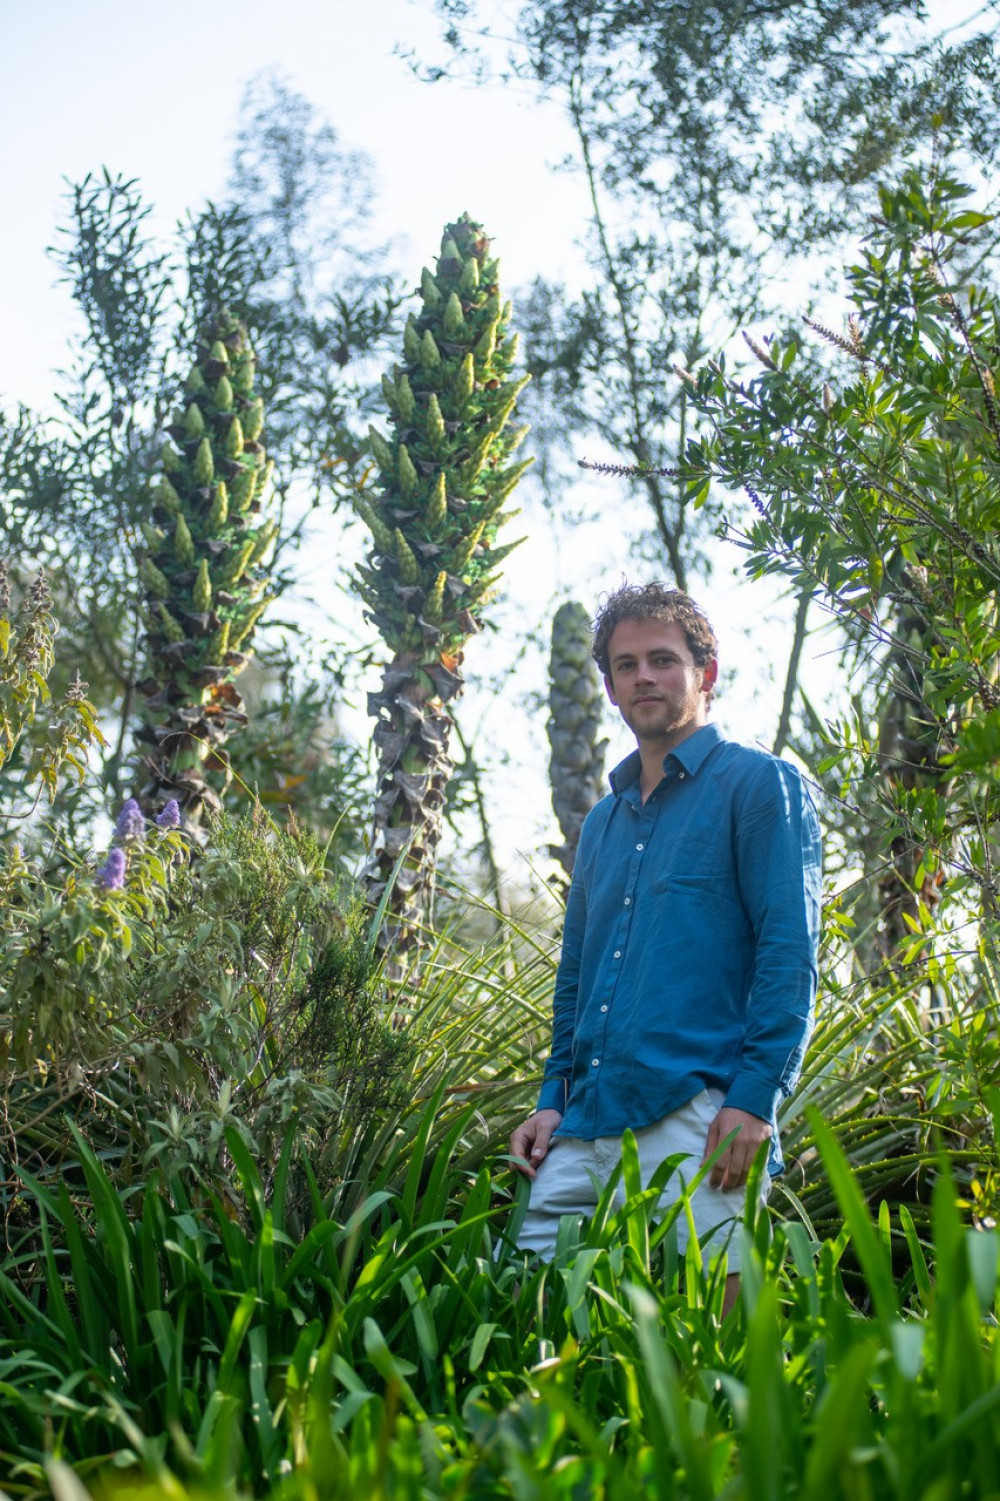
{"points": [[409, 1351]]}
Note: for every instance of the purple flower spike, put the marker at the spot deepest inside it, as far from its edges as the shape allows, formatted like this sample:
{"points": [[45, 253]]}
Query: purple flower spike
{"points": [[130, 823], [112, 873], [170, 815]]}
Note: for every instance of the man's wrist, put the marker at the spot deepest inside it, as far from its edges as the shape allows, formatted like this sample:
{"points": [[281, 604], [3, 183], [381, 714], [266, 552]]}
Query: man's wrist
{"points": [[754, 1095]]}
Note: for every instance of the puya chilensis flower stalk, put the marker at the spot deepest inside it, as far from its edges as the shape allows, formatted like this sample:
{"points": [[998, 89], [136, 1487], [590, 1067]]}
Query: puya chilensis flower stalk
{"points": [[200, 565], [576, 700], [445, 478]]}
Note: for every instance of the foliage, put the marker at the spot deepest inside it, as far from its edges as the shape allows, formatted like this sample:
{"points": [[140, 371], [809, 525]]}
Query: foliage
{"points": [[27, 638], [411, 1351], [715, 144], [201, 561], [73, 487], [155, 1003], [444, 480], [877, 486]]}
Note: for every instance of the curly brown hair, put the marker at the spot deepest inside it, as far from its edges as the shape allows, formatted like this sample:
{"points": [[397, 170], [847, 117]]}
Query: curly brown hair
{"points": [[653, 602]]}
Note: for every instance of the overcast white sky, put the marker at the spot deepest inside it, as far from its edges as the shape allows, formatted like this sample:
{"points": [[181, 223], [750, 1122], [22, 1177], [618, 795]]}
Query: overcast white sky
{"points": [[153, 91]]}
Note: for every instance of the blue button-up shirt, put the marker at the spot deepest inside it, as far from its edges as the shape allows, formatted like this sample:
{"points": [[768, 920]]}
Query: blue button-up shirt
{"points": [[689, 950]]}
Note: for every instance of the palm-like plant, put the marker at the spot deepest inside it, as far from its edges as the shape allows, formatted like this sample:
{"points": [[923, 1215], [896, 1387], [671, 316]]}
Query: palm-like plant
{"points": [[199, 564], [444, 480]]}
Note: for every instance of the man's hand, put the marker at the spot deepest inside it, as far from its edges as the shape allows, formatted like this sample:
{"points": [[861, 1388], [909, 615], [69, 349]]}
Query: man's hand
{"points": [[531, 1140], [733, 1166]]}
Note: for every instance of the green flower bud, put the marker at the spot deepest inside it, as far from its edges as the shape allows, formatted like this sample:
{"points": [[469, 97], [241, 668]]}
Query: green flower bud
{"points": [[437, 506], [429, 290], [434, 422], [389, 392], [497, 554], [203, 467], [170, 459], [253, 420], [153, 536], [405, 399], [202, 591], [224, 395], [219, 644], [243, 490], [472, 468], [241, 628], [486, 345], [465, 380], [482, 591], [262, 541], [168, 624], [219, 514], [219, 353], [242, 375], [411, 341], [462, 556], [450, 251], [237, 565], [194, 422], [381, 535], [509, 478], [408, 477], [434, 603], [469, 279], [183, 543], [429, 355], [453, 321], [156, 582], [409, 570], [195, 383], [234, 439], [263, 479], [381, 451], [166, 496]]}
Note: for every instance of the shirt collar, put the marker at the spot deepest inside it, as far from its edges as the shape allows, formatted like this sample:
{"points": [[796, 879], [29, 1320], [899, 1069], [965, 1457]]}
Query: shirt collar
{"points": [[691, 754]]}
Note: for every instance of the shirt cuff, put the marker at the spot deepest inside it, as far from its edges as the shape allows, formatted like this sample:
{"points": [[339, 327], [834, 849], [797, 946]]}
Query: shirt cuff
{"points": [[755, 1095], [553, 1096]]}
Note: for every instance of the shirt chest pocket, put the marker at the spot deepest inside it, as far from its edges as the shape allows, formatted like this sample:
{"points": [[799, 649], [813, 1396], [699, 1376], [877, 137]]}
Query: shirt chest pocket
{"points": [[696, 854]]}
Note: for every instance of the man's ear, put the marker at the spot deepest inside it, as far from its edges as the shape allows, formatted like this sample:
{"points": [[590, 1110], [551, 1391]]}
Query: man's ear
{"points": [[710, 674], [609, 690]]}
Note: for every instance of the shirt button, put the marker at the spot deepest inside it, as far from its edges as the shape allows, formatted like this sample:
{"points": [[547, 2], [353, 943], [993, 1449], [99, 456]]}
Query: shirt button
{"points": [[604, 1008], [680, 776], [618, 953], [594, 1062], [640, 846], [628, 901]]}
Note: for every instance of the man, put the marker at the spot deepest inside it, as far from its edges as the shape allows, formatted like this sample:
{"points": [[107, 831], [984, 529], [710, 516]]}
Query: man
{"points": [[684, 995]]}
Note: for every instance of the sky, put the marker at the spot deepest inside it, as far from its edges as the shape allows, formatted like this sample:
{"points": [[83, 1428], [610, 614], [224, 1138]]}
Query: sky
{"points": [[153, 92]]}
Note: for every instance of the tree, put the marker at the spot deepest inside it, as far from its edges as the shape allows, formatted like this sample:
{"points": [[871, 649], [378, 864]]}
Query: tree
{"points": [[73, 487], [444, 480], [877, 488], [722, 147]]}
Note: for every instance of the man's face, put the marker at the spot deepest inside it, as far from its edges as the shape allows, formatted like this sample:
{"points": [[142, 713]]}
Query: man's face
{"points": [[654, 683]]}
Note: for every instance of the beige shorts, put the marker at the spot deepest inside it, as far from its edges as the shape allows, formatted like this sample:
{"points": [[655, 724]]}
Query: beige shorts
{"points": [[572, 1175]]}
